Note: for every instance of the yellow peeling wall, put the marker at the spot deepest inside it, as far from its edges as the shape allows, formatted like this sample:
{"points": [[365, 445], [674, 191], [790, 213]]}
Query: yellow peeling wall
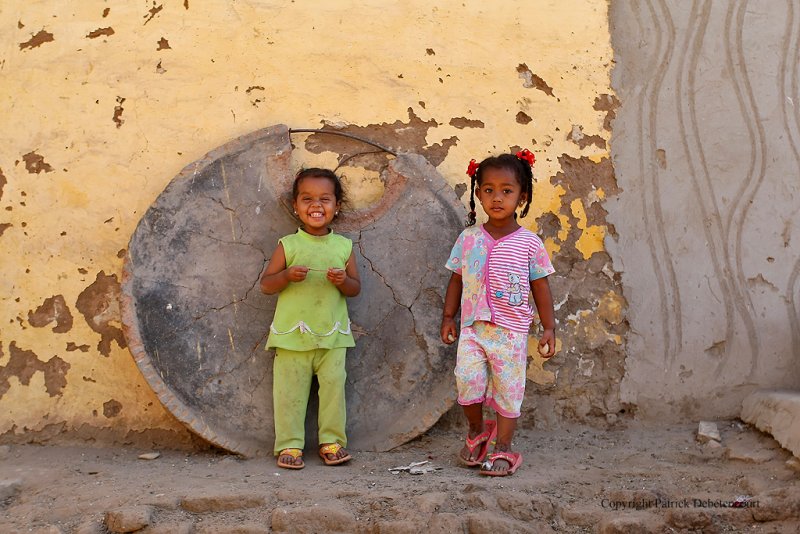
{"points": [[103, 102]]}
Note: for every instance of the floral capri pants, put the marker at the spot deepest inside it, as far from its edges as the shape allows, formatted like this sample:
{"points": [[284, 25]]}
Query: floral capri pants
{"points": [[490, 367]]}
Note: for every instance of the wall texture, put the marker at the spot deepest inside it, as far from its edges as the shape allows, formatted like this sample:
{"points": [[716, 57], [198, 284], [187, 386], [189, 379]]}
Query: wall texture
{"points": [[706, 153], [104, 102]]}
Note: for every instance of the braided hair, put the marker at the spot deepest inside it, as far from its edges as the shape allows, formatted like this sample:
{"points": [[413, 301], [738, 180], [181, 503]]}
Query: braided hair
{"points": [[518, 165]]}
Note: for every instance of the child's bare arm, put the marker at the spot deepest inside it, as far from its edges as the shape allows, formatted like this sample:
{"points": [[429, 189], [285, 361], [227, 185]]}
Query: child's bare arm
{"points": [[276, 276], [540, 288], [347, 280], [452, 300]]}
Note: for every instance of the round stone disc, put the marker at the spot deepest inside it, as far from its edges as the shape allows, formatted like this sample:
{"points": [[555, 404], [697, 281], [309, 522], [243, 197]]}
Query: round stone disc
{"points": [[196, 321]]}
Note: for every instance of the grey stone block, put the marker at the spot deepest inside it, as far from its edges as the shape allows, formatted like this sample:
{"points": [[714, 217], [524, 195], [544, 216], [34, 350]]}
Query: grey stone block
{"points": [[128, 519], [777, 413]]}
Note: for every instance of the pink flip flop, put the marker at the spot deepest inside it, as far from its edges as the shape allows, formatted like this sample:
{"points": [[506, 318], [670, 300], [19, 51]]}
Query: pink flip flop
{"points": [[513, 458], [480, 442]]}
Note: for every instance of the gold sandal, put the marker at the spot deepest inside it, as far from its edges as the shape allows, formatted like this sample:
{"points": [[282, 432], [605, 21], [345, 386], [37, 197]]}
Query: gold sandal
{"points": [[295, 454], [333, 448]]}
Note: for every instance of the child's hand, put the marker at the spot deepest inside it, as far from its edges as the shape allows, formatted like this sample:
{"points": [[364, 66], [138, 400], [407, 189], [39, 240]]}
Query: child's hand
{"points": [[297, 273], [336, 276], [547, 343], [449, 331]]}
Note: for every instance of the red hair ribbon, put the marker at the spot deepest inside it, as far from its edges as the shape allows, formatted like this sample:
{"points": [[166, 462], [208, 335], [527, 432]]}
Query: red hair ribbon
{"points": [[473, 168], [527, 155]]}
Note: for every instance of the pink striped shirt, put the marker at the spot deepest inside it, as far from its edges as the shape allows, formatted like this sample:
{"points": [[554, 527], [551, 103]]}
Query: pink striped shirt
{"points": [[508, 265]]}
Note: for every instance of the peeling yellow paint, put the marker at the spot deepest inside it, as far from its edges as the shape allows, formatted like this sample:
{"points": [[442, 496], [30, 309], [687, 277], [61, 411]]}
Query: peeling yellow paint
{"points": [[547, 199], [536, 372], [551, 246], [597, 158], [595, 195], [610, 307], [538, 375], [592, 328], [591, 239]]}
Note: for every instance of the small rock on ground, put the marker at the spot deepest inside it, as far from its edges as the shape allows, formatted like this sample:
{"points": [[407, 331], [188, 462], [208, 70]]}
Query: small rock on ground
{"points": [[398, 527], [630, 524], [693, 520], [220, 503], [445, 524], [184, 527], [525, 508], [312, 519], [9, 489], [777, 504], [236, 529], [746, 453], [493, 523], [128, 519], [708, 430]]}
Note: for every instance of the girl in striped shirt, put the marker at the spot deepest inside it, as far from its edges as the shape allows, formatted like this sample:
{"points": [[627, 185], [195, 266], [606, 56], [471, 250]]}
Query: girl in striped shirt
{"points": [[492, 265]]}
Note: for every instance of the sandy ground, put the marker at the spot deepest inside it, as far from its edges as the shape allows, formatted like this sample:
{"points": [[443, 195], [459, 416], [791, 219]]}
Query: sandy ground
{"points": [[575, 479]]}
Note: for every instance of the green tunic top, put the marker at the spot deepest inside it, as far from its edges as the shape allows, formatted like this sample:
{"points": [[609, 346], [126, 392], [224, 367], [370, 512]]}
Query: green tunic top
{"points": [[312, 314]]}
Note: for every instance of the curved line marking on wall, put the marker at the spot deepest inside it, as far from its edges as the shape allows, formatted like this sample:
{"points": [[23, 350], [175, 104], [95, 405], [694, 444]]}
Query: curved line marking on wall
{"points": [[794, 312], [672, 313], [730, 290], [755, 174], [645, 195], [789, 97], [696, 159]]}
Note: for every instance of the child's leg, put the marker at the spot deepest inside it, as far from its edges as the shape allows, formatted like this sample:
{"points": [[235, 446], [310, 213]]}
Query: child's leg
{"points": [[329, 366], [474, 415], [291, 385], [508, 361], [506, 426], [505, 434], [471, 380]]}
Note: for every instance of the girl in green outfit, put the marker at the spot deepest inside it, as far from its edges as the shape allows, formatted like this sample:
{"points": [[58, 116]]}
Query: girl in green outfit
{"points": [[313, 270]]}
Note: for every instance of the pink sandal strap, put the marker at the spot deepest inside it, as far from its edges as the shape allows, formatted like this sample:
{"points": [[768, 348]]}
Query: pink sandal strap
{"points": [[510, 457], [483, 437], [473, 443]]}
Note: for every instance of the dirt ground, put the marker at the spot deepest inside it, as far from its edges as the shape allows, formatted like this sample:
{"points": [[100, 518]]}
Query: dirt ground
{"points": [[632, 478]]}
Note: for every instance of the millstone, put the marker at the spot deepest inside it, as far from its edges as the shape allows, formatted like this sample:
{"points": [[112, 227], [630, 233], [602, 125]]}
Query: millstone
{"points": [[196, 321]]}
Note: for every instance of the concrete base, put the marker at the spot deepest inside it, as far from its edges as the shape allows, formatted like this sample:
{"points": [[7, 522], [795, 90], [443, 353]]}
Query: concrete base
{"points": [[778, 413]]}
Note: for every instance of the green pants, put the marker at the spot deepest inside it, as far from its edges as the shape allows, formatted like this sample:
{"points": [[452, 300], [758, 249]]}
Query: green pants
{"points": [[292, 372]]}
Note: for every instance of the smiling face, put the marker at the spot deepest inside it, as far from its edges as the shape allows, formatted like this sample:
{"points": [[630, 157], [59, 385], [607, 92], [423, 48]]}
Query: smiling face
{"points": [[500, 194], [316, 204]]}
